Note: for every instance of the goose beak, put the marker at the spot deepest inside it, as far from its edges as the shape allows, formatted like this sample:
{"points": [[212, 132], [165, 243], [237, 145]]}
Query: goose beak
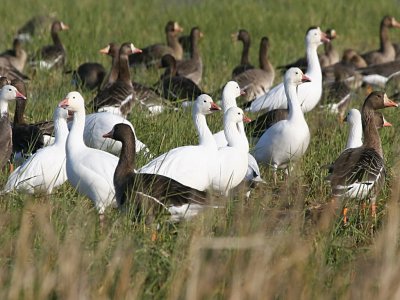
{"points": [[137, 50], [324, 38], [214, 106], [246, 119], [305, 78], [108, 135], [63, 103], [242, 92], [395, 23], [64, 26], [387, 124], [19, 95], [105, 50], [388, 102]]}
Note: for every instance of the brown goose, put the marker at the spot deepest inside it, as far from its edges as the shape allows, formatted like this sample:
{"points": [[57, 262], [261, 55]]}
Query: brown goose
{"points": [[112, 49], [7, 94], [89, 75], [386, 52], [192, 68], [360, 172], [36, 25], [175, 87], [120, 93], [53, 55], [256, 82], [244, 36], [150, 191], [330, 56], [151, 55], [17, 56]]}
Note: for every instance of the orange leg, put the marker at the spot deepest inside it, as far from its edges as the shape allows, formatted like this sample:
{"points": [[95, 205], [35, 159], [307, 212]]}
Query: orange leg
{"points": [[345, 218]]}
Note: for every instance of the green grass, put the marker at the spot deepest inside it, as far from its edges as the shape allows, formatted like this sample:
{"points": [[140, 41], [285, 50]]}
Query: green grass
{"points": [[267, 247]]}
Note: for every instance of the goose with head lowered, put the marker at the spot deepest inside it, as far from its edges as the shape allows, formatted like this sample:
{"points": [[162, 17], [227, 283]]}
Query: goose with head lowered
{"points": [[161, 193], [360, 172], [7, 94], [45, 169], [192, 166], [287, 140], [309, 94], [89, 170]]}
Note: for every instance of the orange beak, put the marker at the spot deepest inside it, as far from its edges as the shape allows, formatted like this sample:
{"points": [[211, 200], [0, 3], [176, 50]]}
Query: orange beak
{"points": [[105, 50], [388, 102], [64, 26]]}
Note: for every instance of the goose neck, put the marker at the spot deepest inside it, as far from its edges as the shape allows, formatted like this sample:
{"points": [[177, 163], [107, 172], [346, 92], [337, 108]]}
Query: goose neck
{"points": [[19, 112], [127, 158], [60, 131], [355, 135], [75, 136], [244, 60], [228, 101], [385, 44], [3, 108], [114, 69], [235, 137], [56, 39], [194, 49], [295, 112], [205, 136], [124, 73], [371, 135], [313, 66]]}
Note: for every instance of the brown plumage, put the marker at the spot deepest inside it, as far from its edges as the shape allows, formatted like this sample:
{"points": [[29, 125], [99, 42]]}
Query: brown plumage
{"points": [[89, 75], [17, 56], [258, 126], [243, 36]]}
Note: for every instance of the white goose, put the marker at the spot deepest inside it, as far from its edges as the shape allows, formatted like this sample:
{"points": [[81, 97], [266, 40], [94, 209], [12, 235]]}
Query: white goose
{"points": [[192, 166], [45, 169], [89, 170], [286, 140], [233, 159], [309, 93]]}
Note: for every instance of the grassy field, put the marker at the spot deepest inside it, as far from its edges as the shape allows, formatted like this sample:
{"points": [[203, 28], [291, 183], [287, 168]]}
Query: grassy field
{"points": [[267, 247]]}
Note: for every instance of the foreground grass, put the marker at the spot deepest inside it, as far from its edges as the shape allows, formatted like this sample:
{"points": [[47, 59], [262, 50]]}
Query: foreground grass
{"points": [[270, 246]]}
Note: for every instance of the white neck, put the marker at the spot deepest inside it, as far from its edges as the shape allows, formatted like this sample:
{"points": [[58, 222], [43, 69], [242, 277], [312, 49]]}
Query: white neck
{"points": [[228, 101], [295, 112], [75, 137], [313, 66], [354, 139], [205, 136], [3, 107], [60, 131], [235, 137]]}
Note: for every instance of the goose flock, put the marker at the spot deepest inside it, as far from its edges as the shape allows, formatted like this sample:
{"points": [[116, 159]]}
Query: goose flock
{"points": [[96, 152]]}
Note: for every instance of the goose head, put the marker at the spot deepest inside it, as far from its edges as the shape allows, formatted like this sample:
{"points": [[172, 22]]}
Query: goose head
{"points": [[295, 76], [316, 37], [391, 22], [205, 105], [111, 49], [128, 48], [60, 113], [353, 117], [232, 90], [236, 115], [73, 102], [242, 35], [173, 27], [119, 132], [58, 26], [9, 92], [331, 34], [377, 100]]}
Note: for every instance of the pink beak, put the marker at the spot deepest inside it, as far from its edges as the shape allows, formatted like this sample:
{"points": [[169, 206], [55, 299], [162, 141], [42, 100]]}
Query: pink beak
{"points": [[19, 95], [108, 135], [137, 50], [387, 124], [246, 119], [214, 106], [305, 78], [324, 38], [64, 103], [242, 92]]}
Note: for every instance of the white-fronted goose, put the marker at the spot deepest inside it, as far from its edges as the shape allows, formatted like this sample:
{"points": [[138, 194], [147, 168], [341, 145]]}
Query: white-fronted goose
{"points": [[360, 172], [386, 51], [89, 75], [174, 87], [287, 140], [151, 55], [34, 26], [257, 81], [119, 93], [192, 68], [244, 36], [309, 93], [17, 55], [7, 93], [160, 193]]}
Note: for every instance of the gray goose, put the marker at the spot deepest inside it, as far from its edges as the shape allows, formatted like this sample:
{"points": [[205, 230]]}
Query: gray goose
{"points": [[360, 172], [258, 81], [7, 94], [151, 55], [192, 68], [53, 55], [118, 94], [17, 56], [386, 52], [244, 36], [150, 191]]}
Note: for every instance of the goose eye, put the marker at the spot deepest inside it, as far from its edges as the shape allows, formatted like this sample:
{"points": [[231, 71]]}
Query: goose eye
{"points": [[9, 90], [73, 97], [205, 101]]}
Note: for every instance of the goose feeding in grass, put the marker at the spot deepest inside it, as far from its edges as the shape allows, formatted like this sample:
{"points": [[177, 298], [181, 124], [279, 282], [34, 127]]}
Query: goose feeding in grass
{"points": [[89, 75], [287, 140], [89, 170], [360, 172], [7, 94], [150, 192], [45, 169], [309, 94], [192, 166], [244, 36]]}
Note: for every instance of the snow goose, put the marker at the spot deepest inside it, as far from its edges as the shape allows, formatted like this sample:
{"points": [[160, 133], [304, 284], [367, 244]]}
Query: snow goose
{"points": [[152, 54], [162, 193], [287, 140], [360, 172], [53, 55], [309, 93], [7, 93], [44, 170], [232, 160], [257, 81], [192, 166], [386, 52], [119, 93], [89, 170], [244, 36], [192, 68]]}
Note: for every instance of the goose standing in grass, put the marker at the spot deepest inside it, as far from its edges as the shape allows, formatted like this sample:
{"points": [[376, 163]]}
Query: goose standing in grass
{"points": [[151, 190], [287, 140], [44, 170], [257, 81], [89, 170], [360, 172], [53, 55], [309, 94], [7, 94], [244, 36], [192, 166]]}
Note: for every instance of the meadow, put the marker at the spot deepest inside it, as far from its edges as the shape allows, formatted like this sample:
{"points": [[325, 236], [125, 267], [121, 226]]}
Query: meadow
{"points": [[275, 245]]}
